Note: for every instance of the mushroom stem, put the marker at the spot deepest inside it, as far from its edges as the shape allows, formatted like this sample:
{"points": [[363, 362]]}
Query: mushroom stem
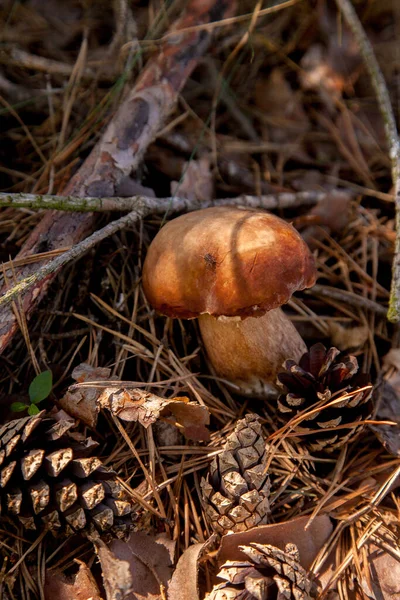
{"points": [[250, 352]]}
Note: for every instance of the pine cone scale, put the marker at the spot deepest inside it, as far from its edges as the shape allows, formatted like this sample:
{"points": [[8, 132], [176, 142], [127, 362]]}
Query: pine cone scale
{"points": [[268, 573], [334, 385], [237, 488], [57, 486]]}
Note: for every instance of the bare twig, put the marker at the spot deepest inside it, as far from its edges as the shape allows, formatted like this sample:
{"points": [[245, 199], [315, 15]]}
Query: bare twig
{"points": [[142, 207], [392, 139], [90, 204], [120, 150]]}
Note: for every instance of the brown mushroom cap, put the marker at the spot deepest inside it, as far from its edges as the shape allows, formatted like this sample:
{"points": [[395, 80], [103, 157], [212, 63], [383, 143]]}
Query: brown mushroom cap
{"points": [[225, 261]]}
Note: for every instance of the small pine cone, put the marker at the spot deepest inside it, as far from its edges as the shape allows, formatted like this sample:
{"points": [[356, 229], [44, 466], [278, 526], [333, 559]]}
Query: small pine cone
{"points": [[237, 487], [48, 479], [270, 573], [324, 375]]}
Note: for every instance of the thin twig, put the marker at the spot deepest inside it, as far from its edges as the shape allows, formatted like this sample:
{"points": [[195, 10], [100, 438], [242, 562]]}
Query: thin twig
{"points": [[92, 204], [143, 207], [392, 139]]}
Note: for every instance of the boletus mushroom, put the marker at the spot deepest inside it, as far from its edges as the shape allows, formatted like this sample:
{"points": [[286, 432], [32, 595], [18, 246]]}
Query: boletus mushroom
{"points": [[232, 269]]}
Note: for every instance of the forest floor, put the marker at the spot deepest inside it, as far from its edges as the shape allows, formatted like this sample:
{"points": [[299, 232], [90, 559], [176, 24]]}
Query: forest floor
{"points": [[271, 105]]}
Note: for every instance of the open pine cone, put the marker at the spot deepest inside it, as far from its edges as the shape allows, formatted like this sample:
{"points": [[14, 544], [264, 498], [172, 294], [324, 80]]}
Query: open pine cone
{"points": [[237, 487], [269, 574], [48, 478], [325, 375]]}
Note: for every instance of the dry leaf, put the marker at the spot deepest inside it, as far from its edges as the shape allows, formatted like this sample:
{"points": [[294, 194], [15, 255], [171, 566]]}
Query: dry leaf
{"points": [[388, 410], [345, 338], [335, 68], [144, 564], [196, 182], [82, 402], [146, 408], [384, 571], [282, 106], [184, 584], [308, 541], [85, 403], [332, 214], [81, 586], [117, 578]]}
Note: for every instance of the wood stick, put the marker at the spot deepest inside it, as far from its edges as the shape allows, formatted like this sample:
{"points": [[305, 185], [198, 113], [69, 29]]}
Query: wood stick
{"points": [[90, 204], [120, 150], [142, 208]]}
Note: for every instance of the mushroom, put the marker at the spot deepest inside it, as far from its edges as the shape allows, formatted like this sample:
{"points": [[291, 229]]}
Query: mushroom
{"points": [[232, 269]]}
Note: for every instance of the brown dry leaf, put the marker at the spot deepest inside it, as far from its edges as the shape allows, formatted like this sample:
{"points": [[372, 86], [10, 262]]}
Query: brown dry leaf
{"points": [[184, 584], [146, 408], [391, 363], [81, 586], [197, 181], [384, 571], [82, 403], [282, 106], [137, 569], [317, 75], [117, 578], [346, 338], [308, 541], [388, 410], [335, 68], [392, 358], [332, 214], [147, 567]]}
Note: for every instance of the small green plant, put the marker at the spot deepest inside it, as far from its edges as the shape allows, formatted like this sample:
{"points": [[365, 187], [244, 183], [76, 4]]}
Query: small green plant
{"points": [[39, 389]]}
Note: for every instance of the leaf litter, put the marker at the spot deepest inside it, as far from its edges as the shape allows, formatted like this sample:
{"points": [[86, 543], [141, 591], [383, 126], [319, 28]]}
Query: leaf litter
{"points": [[300, 114]]}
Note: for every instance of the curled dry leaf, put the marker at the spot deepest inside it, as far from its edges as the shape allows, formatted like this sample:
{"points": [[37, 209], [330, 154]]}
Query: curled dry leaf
{"points": [[139, 568], [308, 540], [82, 402], [146, 408], [184, 584], [81, 586], [85, 403]]}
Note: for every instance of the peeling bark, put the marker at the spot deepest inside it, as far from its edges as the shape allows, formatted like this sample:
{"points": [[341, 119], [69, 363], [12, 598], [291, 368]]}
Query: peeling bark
{"points": [[122, 146]]}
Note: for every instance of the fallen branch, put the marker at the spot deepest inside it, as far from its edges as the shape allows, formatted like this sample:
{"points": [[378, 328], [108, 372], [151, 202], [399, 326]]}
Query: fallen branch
{"points": [[392, 139], [121, 148], [143, 208], [90, 204]]}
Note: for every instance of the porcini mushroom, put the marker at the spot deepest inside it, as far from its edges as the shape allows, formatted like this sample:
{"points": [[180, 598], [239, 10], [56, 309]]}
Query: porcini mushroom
{"points": [[232, 269]]}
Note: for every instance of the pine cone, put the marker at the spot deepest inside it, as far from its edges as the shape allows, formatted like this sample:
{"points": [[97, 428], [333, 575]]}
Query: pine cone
{"points": [[237, 487], [324, 375], [48, 479], [270, 573]]}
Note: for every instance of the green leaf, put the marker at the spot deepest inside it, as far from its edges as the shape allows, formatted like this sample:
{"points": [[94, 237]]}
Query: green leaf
{"points": [[40, 387], [33, 410], [18, 406]]}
